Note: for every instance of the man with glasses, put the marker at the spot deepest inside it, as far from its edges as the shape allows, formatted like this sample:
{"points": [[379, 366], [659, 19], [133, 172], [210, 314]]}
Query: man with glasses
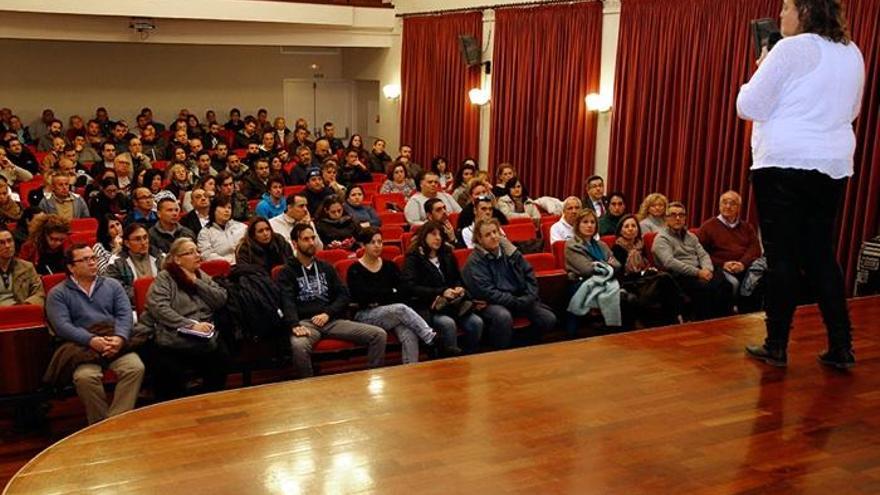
{"points": [[196, 219], [142, 211], [62, 201], [19, 281], [595, 199], [297, 212], [679, 252], [93, 316]]}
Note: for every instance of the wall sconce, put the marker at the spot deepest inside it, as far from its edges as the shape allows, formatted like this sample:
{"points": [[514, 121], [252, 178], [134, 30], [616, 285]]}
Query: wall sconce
{"points": [[479, 96], [598, 103], [391, 91]]}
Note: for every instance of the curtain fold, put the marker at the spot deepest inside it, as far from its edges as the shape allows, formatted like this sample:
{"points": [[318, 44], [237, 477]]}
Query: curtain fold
{"points": [[675, 130], [436, 116], [546, 60]]}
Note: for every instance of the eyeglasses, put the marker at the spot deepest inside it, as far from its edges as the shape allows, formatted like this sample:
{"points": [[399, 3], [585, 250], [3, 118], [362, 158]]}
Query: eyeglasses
{"points": [[189, 253], [87, 260], [676, 215]]}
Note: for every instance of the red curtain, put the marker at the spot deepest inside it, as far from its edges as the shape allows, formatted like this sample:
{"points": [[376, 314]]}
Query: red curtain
{"points": [[436, 116], [680, 64], [546, 61]]}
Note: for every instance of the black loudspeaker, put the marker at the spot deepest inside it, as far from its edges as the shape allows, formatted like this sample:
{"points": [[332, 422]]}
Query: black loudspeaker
{"points": [[470, 49]]}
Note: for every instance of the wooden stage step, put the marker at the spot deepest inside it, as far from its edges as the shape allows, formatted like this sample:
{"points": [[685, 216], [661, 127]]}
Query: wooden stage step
{"points": [[672, 410]]}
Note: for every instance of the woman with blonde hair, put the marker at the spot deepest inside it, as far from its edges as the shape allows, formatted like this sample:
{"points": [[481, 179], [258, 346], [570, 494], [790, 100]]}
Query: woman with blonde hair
{"points": [[652, 213]]}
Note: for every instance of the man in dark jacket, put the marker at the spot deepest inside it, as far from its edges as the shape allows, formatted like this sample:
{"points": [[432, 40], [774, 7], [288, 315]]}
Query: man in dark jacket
{"points": [[315, 300], [503, 283], [168, 228], [21, 156]]}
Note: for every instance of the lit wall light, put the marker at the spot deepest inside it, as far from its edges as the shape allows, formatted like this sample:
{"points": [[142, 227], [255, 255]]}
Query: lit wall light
{"points": [[598, 103], [479, 96], [391, 91]]}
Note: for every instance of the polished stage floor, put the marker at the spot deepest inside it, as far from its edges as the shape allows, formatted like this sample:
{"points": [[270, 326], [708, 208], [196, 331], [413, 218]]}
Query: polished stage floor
{"points": [[672, 410]]}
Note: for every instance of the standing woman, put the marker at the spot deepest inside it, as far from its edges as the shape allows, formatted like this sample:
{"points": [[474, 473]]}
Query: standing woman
{"points": [[803, 99], [184, 297]]}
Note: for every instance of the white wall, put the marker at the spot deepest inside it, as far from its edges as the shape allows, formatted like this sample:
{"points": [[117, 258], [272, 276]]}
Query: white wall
{"points": [[76, 77]]}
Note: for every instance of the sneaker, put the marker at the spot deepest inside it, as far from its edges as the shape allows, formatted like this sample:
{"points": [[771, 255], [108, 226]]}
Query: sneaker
{"points": [[777, 358], [839, 359]]}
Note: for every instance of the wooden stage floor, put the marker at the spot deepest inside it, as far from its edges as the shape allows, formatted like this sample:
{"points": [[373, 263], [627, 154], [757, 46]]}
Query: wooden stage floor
{"points": [[673, 410]]}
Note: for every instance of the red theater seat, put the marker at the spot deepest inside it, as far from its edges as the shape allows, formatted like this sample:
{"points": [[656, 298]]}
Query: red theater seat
{"points": [[333, 255], [50, 281], [216, 268], [141, 287]]}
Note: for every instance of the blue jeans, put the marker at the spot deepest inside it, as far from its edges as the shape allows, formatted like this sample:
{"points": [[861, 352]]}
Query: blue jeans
{"points": [[405, 322], [500, 326], [447, 328]]}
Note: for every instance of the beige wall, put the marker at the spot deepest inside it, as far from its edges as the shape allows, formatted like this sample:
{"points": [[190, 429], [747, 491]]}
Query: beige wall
{"points": [[77, 77]]}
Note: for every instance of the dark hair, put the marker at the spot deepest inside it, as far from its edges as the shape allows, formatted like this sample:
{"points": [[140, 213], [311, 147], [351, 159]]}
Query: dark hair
{"points": [[592, 178], [352, 188], [512, 182], [217, 202], [221, 177], [68, 253], [291, 198], [149, 175], [252, 228], [164, 200], [429, 205], [327, 124], [326, 204], [131, 229], [21, 226], [235, 110], [299, 229], [420, 239], [624, 219], [104, 145], [827, 18], [275, 179], [350, 147], [459, 174], [365, 235], [393, 167], [618, 194], [203, 152], [104, 230], [436, 161], [46, 226]]}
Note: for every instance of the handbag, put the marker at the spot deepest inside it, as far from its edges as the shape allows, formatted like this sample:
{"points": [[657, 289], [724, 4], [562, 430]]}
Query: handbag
{"points": [[456, 307]]}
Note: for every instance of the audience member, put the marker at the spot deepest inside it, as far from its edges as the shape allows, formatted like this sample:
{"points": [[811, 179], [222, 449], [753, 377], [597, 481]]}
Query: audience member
{"points": [[142, 211], [11, 172], [109, 241], [184, 297], [137, 259], [21, 156], [435, 211], [10, 209], [273, 203], [19, 282], [432, 280], [168, 228], [503, 285], [398, 182], [415, 206], [516, 203], [364, 215], [652, 213], [222, 234], [444, 175], [263, 247], [93, 318], [462, 177], [336, 229], [616, 210], [63, 202], [198, 218], [297, 212], [379, 160], [315, 300], [329, 173], [316, 192], [595, 199], [563, 230], [256, 183], [504, 173], [679, 252], [374, 285], [590, 261], [413, 169], [225, 184]]}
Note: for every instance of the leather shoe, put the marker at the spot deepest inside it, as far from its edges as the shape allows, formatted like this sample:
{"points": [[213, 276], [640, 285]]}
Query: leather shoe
{"points": [[773, 357], [841, 359]]}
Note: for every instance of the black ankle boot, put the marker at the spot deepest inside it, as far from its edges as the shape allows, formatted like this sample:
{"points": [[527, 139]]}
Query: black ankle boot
{"points": [[841, 359], [773, 357]]}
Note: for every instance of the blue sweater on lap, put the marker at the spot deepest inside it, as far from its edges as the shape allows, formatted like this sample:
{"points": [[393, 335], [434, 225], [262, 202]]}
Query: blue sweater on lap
{"points": [[71, 312]]}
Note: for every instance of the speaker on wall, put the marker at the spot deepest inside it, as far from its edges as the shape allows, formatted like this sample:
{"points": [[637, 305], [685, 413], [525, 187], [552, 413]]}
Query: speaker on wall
{"points": [[470, 49]]}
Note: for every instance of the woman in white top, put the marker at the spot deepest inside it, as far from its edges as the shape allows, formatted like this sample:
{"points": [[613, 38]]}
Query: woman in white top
{"points": [[222, 234], [803, 99]]}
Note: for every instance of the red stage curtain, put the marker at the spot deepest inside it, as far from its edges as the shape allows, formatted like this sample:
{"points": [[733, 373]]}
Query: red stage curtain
{"points": [[436, 116], [860, 213], [547, 60], [680, 64]]}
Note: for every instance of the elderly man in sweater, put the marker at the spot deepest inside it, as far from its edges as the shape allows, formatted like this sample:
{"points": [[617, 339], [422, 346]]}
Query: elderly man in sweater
{"points": [[93, 316], [732, 243], [679, 252]]}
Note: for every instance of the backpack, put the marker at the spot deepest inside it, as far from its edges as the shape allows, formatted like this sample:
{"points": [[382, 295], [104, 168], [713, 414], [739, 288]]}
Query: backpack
{"points": [[253, 303]]}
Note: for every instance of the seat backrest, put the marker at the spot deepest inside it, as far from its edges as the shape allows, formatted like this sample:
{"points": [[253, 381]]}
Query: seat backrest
{"points": [[88, 238], [216, 268], [21, 316], [333, 255], [453, 219], [342, 267], [609, 240], [388, 252], [517, 220], [391, 233], [276, 271], [649, 244], [371, 187], [160, 165], [405, 239], [559, 253], [545, 235], [379, 177], [141, 288], [400, 260], [542, 262], [84, 225], [392, 218], [380, 201], [25, 188], [50, 281], [551, 219], [288, 190], [519, 231], [461, 256]]}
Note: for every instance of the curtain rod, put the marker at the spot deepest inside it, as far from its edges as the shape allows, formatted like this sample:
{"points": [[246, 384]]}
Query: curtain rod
{"points": [[535, 3]]}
